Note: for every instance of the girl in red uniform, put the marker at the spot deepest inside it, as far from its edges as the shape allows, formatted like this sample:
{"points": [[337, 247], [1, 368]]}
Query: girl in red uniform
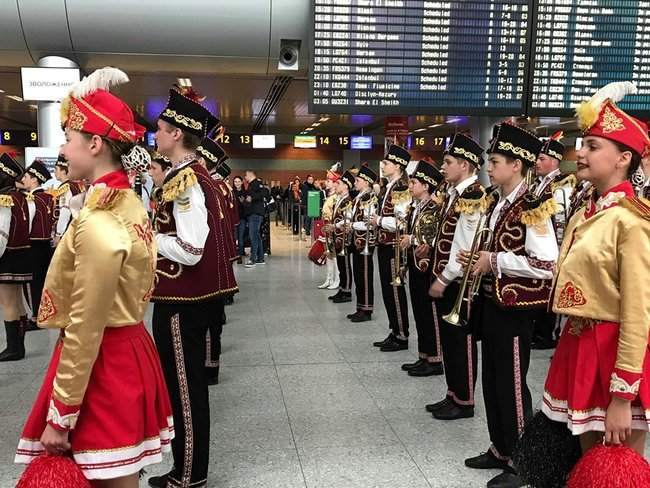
{"points": [[598, 382], [104, 398]]}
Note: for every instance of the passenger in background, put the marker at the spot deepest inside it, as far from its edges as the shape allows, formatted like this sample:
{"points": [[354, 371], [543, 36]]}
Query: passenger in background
{"points": [[239, 194], [41, 206], [15, 266], [304, 195], [254, 216], [265, 229], [295, 201]]}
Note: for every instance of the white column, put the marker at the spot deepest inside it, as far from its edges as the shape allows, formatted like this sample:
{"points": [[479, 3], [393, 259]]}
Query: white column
{"points": [[48, 115]]}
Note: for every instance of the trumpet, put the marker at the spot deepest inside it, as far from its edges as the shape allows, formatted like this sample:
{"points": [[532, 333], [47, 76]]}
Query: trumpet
{"points": [[344, 248], [454, 317], [400, 254]]}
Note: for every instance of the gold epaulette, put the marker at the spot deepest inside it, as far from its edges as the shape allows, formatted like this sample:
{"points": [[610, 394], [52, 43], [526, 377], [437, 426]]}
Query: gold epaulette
{"points": [[176, 186], [6, 201], [471, 205], [400, 196], [438, 198], [104, 198], [539, 211], [565, 180], [638, 206], [61, 190]]}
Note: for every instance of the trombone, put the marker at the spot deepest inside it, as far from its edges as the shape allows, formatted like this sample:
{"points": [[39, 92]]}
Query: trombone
{"points": [[400, 254], [454, 317]]}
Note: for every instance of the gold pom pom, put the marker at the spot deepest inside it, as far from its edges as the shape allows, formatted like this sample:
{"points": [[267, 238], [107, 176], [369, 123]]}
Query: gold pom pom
{"points": [[587, 114], [64, 112]]}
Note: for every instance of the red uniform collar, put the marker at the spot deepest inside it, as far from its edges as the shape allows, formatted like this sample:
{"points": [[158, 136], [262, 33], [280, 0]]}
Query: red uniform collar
{"points": [[115, 179], [609, 199]]}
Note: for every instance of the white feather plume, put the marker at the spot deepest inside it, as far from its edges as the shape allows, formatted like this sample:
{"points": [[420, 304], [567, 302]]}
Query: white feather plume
{"points": [[336, 167], [614, 91], [101, 79]]}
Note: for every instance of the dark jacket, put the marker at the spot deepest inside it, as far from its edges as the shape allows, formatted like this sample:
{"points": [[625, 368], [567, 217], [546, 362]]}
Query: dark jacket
{"points": [[256, 192], [240, 201], [306, 188]]}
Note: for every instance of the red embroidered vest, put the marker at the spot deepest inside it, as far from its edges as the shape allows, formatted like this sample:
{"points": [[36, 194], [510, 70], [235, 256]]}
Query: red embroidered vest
{"points": [[44, 217], [338, 217], [213, 275], [510, 236], [384, 237], [226, 206], [19, 228], [447, 228]]}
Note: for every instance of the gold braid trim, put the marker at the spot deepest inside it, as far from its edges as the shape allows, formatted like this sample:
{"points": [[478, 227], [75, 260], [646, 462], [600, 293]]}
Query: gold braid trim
{"points": [[104, 198], [6, 201], [538, 215], [29, 196], [471, 205], [175, 187], [61, 190], [638, 206], [400, 196], [569, 180]]}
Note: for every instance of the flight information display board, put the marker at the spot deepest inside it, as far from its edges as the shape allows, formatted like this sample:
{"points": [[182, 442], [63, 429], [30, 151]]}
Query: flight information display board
{"points": [[419, 57], [581, 45]]}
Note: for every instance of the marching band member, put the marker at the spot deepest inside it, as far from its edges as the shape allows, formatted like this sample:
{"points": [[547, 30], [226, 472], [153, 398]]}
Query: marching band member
{"points": [[103, 398], [341, 218], [561, 186], [422, 228], [461, 211], [15, 265], [518, 268], [42, 207], [333, 176], [194, 272], [393, 207], [62, 197], [363, 244], [599, 380]]}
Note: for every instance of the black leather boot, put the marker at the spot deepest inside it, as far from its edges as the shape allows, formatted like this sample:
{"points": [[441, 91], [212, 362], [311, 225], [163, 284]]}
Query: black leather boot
{"points": [[15, 350]]}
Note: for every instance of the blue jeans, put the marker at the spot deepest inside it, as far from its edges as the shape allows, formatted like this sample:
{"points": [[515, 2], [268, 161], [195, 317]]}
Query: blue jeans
{"points": [[257, 249], [307, 225], [241, 236]]}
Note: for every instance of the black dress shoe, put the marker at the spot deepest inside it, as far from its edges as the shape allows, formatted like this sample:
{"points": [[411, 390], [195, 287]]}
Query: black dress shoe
{"points": [[361, 316], [427, 369], [487, 460], [410, 366], [338, 294], [343, 298], [158, 481], [505, 480], [454, 412], [381, 343], [433, 407], [31, 326], [395, 344], [212, 373]]}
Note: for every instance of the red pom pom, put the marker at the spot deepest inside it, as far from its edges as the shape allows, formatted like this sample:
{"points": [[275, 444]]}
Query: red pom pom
{"points": [[610, 467], [53, 472]]}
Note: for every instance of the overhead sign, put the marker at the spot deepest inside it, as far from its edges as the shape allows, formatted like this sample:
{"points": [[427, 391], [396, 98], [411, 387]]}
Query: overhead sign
{"points": [[47, 84], [361, 142], [263, 141], [304, 142], [20, 138]]}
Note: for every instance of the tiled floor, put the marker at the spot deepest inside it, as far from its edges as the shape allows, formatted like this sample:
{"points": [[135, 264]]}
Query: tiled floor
{"points": [[305, 401]]}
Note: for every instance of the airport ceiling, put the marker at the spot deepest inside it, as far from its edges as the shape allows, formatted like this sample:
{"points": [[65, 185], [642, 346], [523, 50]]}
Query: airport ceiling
{"points": [[240, 99]]}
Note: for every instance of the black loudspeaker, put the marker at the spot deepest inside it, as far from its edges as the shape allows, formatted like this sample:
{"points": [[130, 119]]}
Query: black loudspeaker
{"points": [[289, 59]]}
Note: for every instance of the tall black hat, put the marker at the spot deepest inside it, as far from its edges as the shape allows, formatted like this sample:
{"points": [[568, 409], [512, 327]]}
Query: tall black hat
{"points": [[348, 179], [185, 111], [223, 169], [465, 147], [10, 166], [553, 147], [366, 174], [61, 162], [39, 171], [515, 142], [426, 172], [163, 161], [212, 152], [398, 155]]}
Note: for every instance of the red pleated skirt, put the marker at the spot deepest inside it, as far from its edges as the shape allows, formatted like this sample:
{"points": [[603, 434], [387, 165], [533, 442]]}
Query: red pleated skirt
{"points": [[125, 422], [577, 385]]}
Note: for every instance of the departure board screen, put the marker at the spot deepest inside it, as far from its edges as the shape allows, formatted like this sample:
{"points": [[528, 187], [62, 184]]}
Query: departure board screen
{"points": [[581, 45], [420, 57]]}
